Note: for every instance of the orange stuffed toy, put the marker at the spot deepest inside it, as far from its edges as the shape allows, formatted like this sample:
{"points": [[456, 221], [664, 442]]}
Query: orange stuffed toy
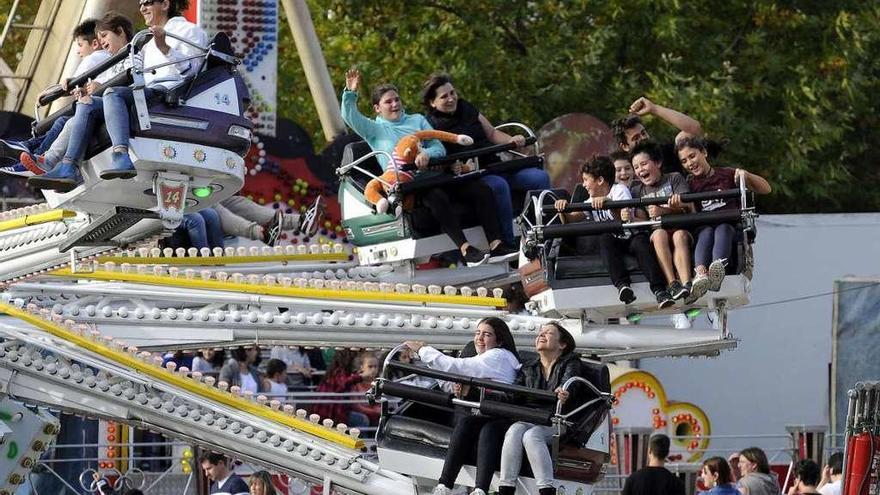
{"points": [[381, 191]]}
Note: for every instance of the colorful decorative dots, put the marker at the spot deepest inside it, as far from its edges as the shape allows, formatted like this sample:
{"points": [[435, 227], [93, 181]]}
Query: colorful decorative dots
{"points": [[655, 411], [615, 421]]}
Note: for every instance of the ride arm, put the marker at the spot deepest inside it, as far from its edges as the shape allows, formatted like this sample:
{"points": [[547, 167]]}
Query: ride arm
{"points": [[471, 153], [642, 202]]}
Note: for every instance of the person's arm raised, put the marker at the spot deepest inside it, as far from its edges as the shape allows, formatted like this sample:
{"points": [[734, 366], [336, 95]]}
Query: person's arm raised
{"points": [[680, 121]]}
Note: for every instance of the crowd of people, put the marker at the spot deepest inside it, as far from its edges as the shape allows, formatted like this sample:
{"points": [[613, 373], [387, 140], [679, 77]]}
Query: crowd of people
{"points": [[744, 473]]}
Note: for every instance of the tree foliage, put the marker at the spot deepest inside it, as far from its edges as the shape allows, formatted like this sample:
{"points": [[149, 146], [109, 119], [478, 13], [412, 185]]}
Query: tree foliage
{"points": [[790, 84]]}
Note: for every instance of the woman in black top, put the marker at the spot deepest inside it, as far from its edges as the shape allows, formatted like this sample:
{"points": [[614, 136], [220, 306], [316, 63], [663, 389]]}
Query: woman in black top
{"points": [[445, 111]]}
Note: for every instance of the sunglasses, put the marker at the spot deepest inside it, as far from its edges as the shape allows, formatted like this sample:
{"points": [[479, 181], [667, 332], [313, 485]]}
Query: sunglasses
{"points": [[146, 3]]}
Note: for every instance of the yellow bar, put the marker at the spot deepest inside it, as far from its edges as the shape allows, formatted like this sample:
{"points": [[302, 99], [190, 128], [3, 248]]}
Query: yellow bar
{"points": [[44, 217], [186, 383], [222, 260], [277, 290]]}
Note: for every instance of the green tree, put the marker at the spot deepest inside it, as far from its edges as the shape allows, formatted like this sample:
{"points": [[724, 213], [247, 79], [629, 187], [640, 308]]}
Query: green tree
{"points": [[790, 84]]}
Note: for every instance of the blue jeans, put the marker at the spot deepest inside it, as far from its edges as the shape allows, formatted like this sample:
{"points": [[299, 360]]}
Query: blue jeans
{"points": [[526, 179], [203, 228], [112, 108], [39, 144]]}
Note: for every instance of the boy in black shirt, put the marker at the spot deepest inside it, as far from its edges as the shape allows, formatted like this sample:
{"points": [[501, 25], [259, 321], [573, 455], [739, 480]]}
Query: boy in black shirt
{"points": [[654, 479]]}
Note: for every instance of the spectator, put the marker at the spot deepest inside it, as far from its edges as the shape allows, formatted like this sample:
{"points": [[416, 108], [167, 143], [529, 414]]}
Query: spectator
{"points": [[223, 480], [445, 111], [654, 479], [672, 246], [339, 379], [756, 477], [806, 477], [209, 360], [733, 461], [241, 370], [367, 364], [260, 483], [832, 475], [718, 477], [276, 376], [299, 367]]}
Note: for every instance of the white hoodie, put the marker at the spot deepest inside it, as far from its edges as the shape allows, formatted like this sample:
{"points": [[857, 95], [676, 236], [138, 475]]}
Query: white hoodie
{"points": [[495, 364]]}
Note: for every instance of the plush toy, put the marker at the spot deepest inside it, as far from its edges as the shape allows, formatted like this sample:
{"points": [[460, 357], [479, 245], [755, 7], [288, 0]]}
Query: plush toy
{"points": [[380, 191]]}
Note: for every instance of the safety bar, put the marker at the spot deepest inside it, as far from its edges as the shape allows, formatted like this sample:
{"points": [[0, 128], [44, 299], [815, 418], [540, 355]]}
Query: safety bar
{"points": [[606, 397], [474, 382], [639, 202], [617, 227], [446, 399], [343, 170], [464, 155], [528, 130]]}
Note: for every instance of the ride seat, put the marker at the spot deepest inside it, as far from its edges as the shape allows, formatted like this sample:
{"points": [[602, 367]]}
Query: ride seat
{"points": [[214, 124]]}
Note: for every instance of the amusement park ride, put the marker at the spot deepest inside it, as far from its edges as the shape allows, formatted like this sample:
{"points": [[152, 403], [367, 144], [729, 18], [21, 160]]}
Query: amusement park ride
{"points": [[88, 293]]}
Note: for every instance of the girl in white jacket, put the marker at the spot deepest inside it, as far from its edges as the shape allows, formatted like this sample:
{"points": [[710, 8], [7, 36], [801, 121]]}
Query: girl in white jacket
{"points": [[496, 359]]}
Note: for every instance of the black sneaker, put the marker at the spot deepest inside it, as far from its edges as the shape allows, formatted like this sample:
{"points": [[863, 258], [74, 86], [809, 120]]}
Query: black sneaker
{"points": [[502, 253], [677, 291], [664, 299], [626, 294], [474, 257]]}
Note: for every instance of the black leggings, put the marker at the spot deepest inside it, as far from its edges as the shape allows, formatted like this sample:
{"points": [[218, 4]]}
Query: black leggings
{"points": [[478, 197], [489, 435]]}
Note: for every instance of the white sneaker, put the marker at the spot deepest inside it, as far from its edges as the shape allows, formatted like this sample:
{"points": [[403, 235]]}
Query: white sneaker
{"points": [[716, 274], [441, 490], [699, 287], [478, 491]]}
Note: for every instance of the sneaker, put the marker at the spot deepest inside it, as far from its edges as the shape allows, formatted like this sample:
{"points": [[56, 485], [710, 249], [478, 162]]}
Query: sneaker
{"points": [[699, 287], [474, 257], [310, 220], [626, 294], [272, 230], [62, 178], [677, 290], [664, 299], [441, 490], [502, 253], [9, 150], [477, 491], [35, 163], [122, 167], [717, 270], [18, 169]]}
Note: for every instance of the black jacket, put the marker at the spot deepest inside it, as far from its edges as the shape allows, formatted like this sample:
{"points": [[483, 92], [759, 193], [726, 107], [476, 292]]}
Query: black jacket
{"points": [[532, 375]]}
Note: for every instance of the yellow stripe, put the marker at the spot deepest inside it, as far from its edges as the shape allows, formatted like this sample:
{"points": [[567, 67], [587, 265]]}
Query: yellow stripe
{"points": [[44, 217], [277, 290], [222, 260], [188, 384]]}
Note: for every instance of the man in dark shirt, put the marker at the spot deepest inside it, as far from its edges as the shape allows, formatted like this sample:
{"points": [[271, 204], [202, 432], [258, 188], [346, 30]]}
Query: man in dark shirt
{"points": [[654, 479], [223, 480]]}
